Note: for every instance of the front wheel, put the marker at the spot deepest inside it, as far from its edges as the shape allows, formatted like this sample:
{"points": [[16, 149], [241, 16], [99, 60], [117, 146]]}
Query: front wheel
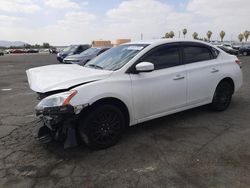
{"points": [[222, 96], [103, 126]]}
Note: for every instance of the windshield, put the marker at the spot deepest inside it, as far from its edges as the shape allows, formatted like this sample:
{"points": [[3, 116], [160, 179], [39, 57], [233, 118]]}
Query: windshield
{"points": [[90, 51], [117, 57], [70, 49]]}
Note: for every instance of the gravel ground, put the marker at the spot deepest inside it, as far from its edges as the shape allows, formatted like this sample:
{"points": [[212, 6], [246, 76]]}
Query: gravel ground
{"points": [[195, 148]]}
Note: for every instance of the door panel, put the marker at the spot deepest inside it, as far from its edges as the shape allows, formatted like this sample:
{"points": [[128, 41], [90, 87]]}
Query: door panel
{"points": [[202, 72], [159, 91], [202, 77]]}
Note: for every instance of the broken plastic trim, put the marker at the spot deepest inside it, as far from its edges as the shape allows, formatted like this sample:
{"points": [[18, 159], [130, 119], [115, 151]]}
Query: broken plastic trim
{"points": [[68, 109]]}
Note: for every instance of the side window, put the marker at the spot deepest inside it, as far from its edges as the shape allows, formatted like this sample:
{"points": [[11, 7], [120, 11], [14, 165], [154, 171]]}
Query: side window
{"points": [[79, 49], [100, 52], [163, 57], [194, 54], [215, 53]]}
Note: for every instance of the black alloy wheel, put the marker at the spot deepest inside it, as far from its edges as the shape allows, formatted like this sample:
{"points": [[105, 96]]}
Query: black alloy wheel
{"points": [[102, 127], [222, 96]]}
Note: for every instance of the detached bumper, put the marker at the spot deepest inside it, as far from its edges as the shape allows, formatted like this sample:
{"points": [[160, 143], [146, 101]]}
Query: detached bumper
{"points": [[57, 124]]}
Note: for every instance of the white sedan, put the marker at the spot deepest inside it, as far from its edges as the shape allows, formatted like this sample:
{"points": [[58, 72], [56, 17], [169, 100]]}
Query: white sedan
{"points": [[130, 84]]}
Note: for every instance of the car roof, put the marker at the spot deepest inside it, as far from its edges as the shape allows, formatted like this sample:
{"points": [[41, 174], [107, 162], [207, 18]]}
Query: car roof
{"points": [[165, 41]]}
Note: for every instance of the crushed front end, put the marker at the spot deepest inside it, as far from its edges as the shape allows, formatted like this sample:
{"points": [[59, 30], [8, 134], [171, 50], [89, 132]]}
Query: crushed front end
{"points": [[58, 119]]}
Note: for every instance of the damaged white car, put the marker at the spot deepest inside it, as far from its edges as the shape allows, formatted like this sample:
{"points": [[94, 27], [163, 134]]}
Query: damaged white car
{"points": [[130, 84]]}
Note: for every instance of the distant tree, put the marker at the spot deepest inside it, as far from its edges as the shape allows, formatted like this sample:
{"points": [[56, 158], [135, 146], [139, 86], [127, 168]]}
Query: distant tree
{"points": [[222, 35], [171, 34], [246, 35], [209, 34], [37, 46], [46, 45], [195, 35], [184, 31], [167, 35], [240, 37], [27, 46]]}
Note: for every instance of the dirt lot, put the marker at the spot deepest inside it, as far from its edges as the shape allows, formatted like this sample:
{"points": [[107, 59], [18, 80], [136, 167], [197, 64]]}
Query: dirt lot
{"points": [[195, 148]]}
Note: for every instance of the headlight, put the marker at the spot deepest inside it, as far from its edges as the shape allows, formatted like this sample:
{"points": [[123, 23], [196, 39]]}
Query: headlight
{"points": [[61, 99]]}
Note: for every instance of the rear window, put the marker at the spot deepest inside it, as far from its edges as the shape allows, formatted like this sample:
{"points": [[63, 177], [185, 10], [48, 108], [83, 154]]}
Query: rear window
{"points": [[194, 54]]}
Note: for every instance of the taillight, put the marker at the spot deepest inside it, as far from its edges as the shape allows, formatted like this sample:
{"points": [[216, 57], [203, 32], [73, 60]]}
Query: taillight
{"points": [[238, 62]]}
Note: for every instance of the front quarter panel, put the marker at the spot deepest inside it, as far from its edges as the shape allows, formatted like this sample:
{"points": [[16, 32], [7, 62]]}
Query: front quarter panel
{"points": [[117, 86]]}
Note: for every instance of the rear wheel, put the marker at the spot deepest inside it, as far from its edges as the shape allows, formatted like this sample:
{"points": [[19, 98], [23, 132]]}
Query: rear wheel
{"points": [[102, 127], [222, 96], [245, 53]]}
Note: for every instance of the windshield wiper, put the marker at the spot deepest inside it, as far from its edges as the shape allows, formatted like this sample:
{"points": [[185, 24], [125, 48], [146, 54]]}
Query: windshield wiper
{"points": [[95, 66]]}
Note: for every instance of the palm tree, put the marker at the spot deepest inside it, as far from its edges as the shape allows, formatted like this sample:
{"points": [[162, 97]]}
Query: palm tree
{"points": [[241, 37], [184, 31], [195, 35], [246, 35], [222, 35], [171, 34], [167, 35], [209, 34]]}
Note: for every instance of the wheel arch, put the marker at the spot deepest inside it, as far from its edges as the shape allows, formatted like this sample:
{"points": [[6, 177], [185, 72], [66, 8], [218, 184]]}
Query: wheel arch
{"points": [[109, 100], [229, 80]]}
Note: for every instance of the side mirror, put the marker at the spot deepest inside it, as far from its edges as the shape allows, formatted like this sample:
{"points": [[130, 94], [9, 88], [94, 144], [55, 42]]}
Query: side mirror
{"points": [[144, 67]]}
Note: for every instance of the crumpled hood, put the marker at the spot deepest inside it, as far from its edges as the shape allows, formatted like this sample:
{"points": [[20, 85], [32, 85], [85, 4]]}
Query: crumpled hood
{"points": [[58, 77]]}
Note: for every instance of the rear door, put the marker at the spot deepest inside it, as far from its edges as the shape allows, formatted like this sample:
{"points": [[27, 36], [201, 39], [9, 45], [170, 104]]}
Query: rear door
{"points": [[162, 90], [202, 71]]}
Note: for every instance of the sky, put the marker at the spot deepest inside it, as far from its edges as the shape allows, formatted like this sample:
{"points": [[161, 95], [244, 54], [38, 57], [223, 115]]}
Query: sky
{"points": [[64, 22]]}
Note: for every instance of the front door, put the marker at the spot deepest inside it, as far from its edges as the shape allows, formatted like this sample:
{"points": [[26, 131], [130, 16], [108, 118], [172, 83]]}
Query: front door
{"points": [[162, 90]]}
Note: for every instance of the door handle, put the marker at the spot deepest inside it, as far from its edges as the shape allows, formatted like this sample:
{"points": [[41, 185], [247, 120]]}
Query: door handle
{"points": [[178, 77], [214, 70]]}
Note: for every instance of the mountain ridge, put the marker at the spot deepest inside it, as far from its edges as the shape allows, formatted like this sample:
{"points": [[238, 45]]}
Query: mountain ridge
{"points": [[6, 43]]}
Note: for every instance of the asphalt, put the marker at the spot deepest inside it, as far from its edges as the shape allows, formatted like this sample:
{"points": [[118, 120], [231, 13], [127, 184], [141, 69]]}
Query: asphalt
{"points": [[195, 148]]}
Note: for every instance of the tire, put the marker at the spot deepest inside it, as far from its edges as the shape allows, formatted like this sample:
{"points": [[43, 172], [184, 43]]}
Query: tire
{"points": [[102, 127], [222, 96], [245, 53]]}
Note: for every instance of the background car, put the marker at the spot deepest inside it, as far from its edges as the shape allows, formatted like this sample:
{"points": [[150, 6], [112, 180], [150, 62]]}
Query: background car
{"points": [[245, 50], [229, 50], [71, 50], [53, 50], [32, 51], [1, 53], [17, 51], [231, 45], [85, 56]]}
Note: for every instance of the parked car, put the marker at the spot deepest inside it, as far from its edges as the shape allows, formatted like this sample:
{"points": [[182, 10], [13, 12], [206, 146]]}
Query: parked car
{"points": [[233, 46], [71, 50], [1, 53], [229, 50], [53, 50], [245, 50], [130, 84], [85, 56], [32, 51], [17, 51]]}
